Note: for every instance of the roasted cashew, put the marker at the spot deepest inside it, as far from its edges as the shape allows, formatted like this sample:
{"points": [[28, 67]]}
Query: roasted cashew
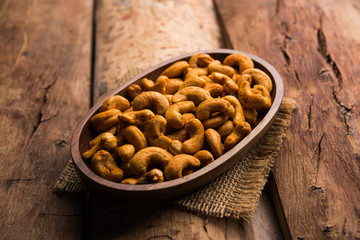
{"points": [[193, 60], [104, 165], [195, 72], [97, 139], [125, 152], [107, 141], [147, 156], [158, 86], [176, 69], [153, 100], [205, 157], [228, 84], [213, 139], [242, 61], [115, 102], [210, 106], [193, 81], [178, 164], [135, 137], [240, 131], [155, 130], [215, 121], [133, 91], [250, 115], [257, 98], [204, 60], [216, 66], [225, 129], [238, 116], [153, 176], [194, 94], [175, 147], [173, 85], [180, 135], [214, 89], [173, 113], [258, 77], [105, 120], [137, 117], [195, 130]]}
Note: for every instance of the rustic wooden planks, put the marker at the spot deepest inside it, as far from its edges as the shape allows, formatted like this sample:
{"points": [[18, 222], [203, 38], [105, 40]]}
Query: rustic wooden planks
{"points": [[138, 34], [314, 46], [44, 78]]}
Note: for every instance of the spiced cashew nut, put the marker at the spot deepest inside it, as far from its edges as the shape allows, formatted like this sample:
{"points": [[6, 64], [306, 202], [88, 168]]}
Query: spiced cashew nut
{"points": [[155, 132], [105, 166], [194, 94], [150, 155], [174, 113], [179, 164], [242, 61], [152, 100], [115, 102], [257, 97], [210, 106], [195, 130], [106, 141]]}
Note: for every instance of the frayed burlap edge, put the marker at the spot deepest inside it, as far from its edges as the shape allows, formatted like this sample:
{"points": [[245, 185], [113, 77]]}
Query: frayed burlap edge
{"points": [[69, 180], [235, 193]]}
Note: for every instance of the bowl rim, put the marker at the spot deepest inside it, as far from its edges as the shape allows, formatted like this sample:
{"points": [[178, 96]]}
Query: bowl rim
{"points": [[86, 172]]}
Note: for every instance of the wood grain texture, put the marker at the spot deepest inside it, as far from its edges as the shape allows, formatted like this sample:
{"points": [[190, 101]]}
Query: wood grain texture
{"points": [[314, 46], [140, 34], [44, 89]]}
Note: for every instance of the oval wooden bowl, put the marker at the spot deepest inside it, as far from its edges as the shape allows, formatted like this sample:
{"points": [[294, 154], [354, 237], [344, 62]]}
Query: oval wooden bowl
{"points": [[178, 187]]}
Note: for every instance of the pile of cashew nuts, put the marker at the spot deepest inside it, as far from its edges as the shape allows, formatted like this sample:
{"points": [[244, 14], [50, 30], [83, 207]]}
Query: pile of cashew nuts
{"points": [[169, 127]]}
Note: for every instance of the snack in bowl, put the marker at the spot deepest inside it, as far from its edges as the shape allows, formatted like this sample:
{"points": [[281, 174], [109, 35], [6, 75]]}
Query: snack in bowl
{"points": [[177, 124]]}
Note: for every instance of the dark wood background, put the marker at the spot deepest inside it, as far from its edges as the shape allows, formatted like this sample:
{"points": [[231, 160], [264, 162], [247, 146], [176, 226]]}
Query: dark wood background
{"points": [[58, 57]]}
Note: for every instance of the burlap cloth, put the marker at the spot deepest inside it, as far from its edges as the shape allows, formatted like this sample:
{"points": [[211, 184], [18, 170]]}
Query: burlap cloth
{"points": [[236, 192]]}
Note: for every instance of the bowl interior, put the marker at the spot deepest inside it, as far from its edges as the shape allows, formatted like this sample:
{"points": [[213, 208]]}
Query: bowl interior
{"points": [[174, 188]]}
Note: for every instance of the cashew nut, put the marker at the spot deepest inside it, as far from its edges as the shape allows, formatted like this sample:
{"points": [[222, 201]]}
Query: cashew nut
{"points": [[250, 115], [195, 130], [153, 176], [97, 139], [173, 85], [238, 115], [204, 60], [214, 89], [205, 157], [115, 102], [173, 113], [176, 69], [216, 66], [158, 86], [147, 156], [194, 94], [193, 81], [228, 84], [242, 61], [226, 129], [258, 77], [153, 100], [175, 147], [215, 121], [240, 131], [133, 91], [125, 152], [210, 106], [135, 137], [180, 135], [257, 97], [195, 72], [213, 139], [137, 117], [105, 120], [107, 141], [104, 165], [178, 164], [155, 130]]}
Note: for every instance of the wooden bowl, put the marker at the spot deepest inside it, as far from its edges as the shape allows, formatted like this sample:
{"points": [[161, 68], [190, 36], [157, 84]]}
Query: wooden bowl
{"points": [[178, 187]]}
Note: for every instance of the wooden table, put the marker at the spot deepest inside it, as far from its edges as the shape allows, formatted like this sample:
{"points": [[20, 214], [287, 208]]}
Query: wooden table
{"points": [[58, 57]]}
